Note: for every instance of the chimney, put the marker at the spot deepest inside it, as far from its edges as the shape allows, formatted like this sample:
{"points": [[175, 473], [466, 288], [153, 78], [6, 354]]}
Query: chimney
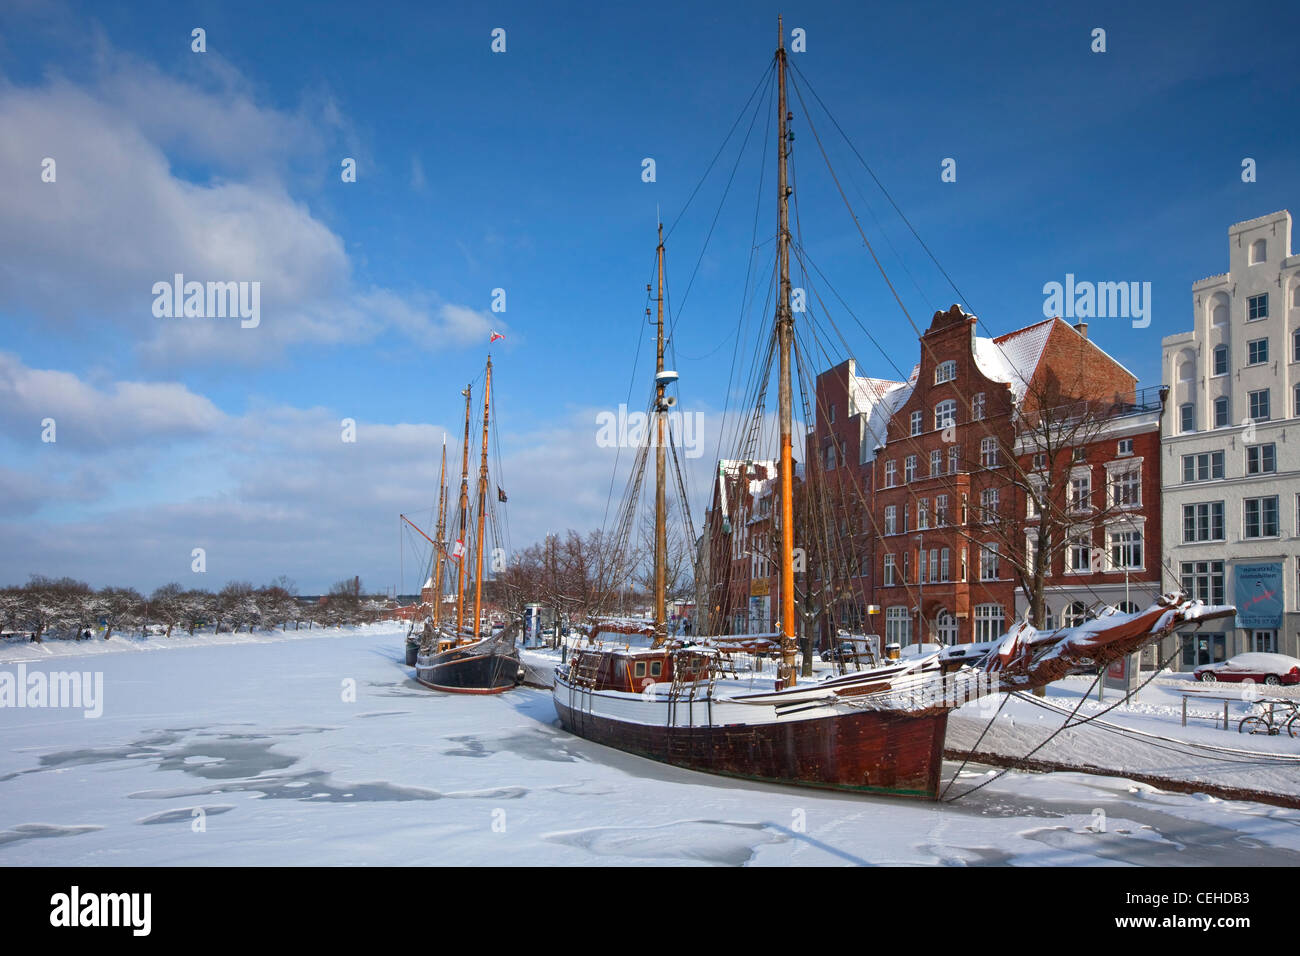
{"points": [[1081, 328]]}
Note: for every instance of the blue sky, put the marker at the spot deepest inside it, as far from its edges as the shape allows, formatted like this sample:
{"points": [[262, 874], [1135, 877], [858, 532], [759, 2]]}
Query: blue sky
{"points": [[522, 171]]}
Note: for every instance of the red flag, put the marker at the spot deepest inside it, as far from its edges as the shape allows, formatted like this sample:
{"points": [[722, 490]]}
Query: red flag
{"points": [[495, 335]]}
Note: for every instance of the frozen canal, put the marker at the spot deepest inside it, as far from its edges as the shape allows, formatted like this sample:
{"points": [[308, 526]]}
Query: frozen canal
{"points": [[287, 768]]}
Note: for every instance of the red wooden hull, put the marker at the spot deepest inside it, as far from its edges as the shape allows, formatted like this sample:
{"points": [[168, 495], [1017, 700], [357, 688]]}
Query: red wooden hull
{"points": [[869, 751]]}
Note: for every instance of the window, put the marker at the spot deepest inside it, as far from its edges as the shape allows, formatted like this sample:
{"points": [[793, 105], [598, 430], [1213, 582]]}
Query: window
{"points": [[1126, 488], [1203, 522], [936, 462], [1221, 412], [1034, 497], [934, 565], [891, 473], [988, 622], [891, 571], [1257, 352], [945, 414], [941, 510], [830, 457], [1206, 466], [909, 468], [977, 407], [946, 627], [1261, 459], [1075, 613], [1295, 401], [954, 458], [916, 423], [1125, 447], [1220, 362], [1261, 517], [989, 505], [920, 566], [988, 562], [638, 669], [945, 372], [1259, 410], [1203, 580], [923, 514], [1187, 418], [656, 668], [1040, 460], [832, 413], [943, 564], [1031, 552], [898, 625], [891, 519], [989, 457], [906, 526], [1257, 307], [907, 556], [1081, 490], [1262, 642], [1258, 252], [964, 501], [1295, 345], [1078, 454], [1126, 549], [1080, 552]]}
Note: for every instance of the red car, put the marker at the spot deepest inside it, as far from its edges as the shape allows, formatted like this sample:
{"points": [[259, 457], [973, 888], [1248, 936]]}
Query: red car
{"points": [[1257, 667]]}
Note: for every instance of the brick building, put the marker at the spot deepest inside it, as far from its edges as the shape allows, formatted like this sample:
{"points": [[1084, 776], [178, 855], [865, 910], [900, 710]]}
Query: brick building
{"points": [[933, 478]]}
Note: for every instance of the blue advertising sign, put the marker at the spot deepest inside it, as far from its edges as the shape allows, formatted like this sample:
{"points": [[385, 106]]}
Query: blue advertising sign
{"points": [[1258, 592]]}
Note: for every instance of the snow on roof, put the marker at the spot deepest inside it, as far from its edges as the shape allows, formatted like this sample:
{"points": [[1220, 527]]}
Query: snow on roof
{"points": [[876, 400], [1013, 358]]}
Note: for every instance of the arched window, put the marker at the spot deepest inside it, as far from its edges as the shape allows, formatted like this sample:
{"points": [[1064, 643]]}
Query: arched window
{"points": [[945, 414], [946, 627], [1258, 252], [1185, 371], [945, 372], [1219, 309], [1220, 364], [1075, 614]]}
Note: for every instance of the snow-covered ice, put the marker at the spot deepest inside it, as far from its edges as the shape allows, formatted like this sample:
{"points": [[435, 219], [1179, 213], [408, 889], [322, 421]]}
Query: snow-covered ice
{"points": [[288, 767]]}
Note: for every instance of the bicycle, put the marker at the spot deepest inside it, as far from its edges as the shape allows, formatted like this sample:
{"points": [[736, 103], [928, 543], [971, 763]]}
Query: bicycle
{"points": [[1281, 716]]}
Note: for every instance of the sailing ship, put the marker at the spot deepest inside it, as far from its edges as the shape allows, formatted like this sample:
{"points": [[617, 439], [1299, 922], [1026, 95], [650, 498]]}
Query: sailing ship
{"points": [[452, 657], [878, 730]]}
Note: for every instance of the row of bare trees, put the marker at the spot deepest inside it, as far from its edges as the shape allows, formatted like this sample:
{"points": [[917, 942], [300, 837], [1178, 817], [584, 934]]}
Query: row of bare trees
{"points": [[64, 607], [579, 576]]}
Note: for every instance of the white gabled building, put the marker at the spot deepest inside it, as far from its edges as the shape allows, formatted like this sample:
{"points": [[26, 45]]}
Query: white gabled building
{"points": [[1231, 446]]}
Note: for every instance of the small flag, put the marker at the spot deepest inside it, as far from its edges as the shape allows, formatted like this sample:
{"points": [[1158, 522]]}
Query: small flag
{"points": [[495, 335], [501, 495], [458, 549]]}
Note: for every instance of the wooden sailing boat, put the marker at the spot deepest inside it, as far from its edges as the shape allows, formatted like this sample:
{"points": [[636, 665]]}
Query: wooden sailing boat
{"points": [[879, 730], [463, 660]]}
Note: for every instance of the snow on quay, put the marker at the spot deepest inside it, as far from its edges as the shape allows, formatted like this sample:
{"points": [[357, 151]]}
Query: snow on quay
{"points": [[319, 748]]}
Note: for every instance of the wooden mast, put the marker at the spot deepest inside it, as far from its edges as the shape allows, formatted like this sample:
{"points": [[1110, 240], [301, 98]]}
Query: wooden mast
{"points": [[785, 336], [464, 507], [661, 517], [482, 500], [442, 535]]}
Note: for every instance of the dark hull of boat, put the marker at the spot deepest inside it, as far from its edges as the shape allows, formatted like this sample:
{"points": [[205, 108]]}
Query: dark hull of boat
{"points": [[470, 670], [412, 652], [867, 752]]}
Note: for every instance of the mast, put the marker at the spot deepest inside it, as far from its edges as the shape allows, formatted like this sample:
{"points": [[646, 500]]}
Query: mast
{"points": [[661, 517], [442, 535], [464, 507], [785, 335], [482, 499]]}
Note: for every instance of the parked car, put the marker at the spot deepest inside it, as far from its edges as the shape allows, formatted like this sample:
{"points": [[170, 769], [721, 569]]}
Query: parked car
{"points": [[1257, 667]]}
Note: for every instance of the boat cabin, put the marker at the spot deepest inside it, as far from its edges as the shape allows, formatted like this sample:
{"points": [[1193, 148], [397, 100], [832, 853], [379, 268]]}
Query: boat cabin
{"points": [[632, 670]]}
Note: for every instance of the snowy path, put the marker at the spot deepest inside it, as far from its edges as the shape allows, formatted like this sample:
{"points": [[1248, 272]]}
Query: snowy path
{"points": [[260, 737]]}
